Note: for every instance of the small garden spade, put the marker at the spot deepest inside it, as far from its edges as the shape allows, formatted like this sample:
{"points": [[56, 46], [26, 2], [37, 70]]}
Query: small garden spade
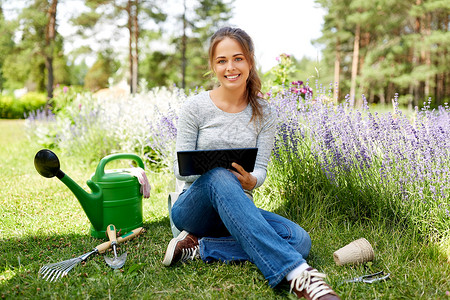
{"points": [[116, 262]]}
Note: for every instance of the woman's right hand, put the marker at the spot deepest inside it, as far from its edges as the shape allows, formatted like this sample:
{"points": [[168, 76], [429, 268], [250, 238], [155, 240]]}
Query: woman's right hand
{"points": [[247, 180]]}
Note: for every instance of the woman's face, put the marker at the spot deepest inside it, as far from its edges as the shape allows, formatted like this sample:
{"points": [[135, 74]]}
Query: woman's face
{"points": [[230, 65]]}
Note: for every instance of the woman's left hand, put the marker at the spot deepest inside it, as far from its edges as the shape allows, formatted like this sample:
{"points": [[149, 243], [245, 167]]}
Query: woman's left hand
{"points": [[247, 180]]}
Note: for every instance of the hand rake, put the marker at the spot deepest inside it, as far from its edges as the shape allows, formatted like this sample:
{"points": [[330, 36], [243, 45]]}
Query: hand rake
{"points": [[52, 272]]}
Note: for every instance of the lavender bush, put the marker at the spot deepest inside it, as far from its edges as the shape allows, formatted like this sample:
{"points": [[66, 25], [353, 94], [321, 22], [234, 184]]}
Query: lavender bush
{"points": [[91, 127], [365, 164]]}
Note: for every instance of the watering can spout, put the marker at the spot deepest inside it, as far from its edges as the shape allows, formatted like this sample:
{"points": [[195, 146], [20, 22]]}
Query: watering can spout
{"points": [[92, 203], [47, 164]]}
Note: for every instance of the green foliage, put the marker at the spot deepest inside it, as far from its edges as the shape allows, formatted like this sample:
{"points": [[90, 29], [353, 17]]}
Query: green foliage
{"points": [[6, 44], [159, 69], [32, 101], [12, 108], [283, 71], [201, 19], [283, 77], [7, 107], [91, 127], [24, 61], [64, 96], [98, 75], [402, 48]]}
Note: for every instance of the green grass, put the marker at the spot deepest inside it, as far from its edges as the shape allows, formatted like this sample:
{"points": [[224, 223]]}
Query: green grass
{"points": [[41, 222]]}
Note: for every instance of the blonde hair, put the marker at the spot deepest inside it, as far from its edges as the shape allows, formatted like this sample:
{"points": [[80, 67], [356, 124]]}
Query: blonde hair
{"points": [[253, 90]]}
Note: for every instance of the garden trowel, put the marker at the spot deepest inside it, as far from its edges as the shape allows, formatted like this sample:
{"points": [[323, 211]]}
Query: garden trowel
{"points": [[116, 262]]}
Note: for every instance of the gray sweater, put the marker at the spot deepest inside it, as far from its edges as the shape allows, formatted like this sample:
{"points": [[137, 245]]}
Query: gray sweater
{"points": [[203, 126]]}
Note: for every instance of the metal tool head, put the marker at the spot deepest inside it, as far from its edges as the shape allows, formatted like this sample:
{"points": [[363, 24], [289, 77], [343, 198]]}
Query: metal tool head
{"points": [[116, 262], [51, 272], [371, 278]]}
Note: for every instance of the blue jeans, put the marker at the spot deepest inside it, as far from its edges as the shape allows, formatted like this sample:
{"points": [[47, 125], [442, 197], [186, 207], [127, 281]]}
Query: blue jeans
{"points": [[231, 228]]}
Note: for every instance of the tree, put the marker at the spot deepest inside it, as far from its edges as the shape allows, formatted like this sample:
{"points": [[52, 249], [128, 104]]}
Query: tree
{"points": [[32, 61], [402, 48], [337, 36], [98, 75], [6, 43], [199, 21], [134, 12], [50, 34]]}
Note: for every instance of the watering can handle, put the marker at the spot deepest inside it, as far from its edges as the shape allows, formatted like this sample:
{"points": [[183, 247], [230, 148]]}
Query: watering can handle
{"points": [[100, 171]]}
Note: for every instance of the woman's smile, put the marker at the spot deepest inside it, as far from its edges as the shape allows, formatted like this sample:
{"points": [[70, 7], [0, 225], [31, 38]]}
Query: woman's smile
{"points": [[232, 77]]}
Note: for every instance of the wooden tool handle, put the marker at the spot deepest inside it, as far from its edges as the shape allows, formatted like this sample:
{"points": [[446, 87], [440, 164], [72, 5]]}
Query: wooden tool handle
{"points": [[111, 231], [127, 236], [103, 247]]}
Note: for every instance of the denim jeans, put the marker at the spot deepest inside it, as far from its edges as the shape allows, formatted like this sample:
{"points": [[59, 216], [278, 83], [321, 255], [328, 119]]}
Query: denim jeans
{"points": [[231, 228]]}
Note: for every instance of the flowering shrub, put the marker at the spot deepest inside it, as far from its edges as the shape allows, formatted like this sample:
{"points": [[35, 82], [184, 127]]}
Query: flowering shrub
{"points": [[368, 165], [277, 80], [92, 128], [283, 70], [301, 89]]}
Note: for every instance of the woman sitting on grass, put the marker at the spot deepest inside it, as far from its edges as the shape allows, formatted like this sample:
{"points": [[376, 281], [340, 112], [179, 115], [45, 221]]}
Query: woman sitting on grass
{"points": [[219, 220]]}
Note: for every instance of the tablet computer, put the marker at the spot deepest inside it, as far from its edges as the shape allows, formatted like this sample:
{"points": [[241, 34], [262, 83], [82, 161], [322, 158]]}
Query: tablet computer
{"points": [[197, 162]]}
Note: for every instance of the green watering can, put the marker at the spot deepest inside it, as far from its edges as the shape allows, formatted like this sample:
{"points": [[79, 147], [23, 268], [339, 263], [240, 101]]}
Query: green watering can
{"points": [[115, 198]]}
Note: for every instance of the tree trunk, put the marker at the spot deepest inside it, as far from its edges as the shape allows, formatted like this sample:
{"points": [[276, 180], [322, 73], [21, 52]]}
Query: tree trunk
{"points": [[364, 43], [183, 49], [411, 97], [50, 33], [382, 98], [130, 44], [416, 61], [427, 55], [136, 47], [390, 92], [337, 71], [354, 65]]}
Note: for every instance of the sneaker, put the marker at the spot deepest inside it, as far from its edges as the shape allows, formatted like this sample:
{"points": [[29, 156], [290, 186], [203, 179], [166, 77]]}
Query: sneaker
{"points": [[182, 248], [310, 285]]}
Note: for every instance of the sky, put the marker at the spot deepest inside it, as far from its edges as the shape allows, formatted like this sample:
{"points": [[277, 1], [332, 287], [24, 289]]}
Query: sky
{"points": [[280, 26], [276, 26]]}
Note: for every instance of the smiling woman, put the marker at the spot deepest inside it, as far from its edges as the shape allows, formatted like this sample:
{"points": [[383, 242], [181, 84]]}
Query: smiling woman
{"points": [[215, 212]]}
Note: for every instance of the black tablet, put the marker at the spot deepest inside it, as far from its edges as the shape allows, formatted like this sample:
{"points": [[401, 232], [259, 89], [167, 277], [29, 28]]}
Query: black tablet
{"points": [[197, 162]]}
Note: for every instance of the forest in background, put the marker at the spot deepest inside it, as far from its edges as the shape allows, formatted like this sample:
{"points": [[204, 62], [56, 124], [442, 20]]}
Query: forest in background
{"points": [[382, 47], [375, 48]]}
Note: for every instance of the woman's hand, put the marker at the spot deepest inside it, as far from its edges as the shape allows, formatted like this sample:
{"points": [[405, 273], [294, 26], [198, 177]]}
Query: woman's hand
{"points": [[247, 180]]}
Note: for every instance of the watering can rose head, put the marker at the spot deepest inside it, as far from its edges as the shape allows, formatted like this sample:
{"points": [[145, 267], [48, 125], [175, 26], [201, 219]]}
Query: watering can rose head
{"points": [[47, 163]]}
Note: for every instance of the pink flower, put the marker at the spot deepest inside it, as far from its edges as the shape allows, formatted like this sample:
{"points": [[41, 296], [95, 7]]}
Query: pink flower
{"points": [[298, 82], [65, 89]]}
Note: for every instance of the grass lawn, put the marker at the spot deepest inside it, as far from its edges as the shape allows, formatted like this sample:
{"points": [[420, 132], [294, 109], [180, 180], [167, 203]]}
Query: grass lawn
{"points": [[42, 222]]}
